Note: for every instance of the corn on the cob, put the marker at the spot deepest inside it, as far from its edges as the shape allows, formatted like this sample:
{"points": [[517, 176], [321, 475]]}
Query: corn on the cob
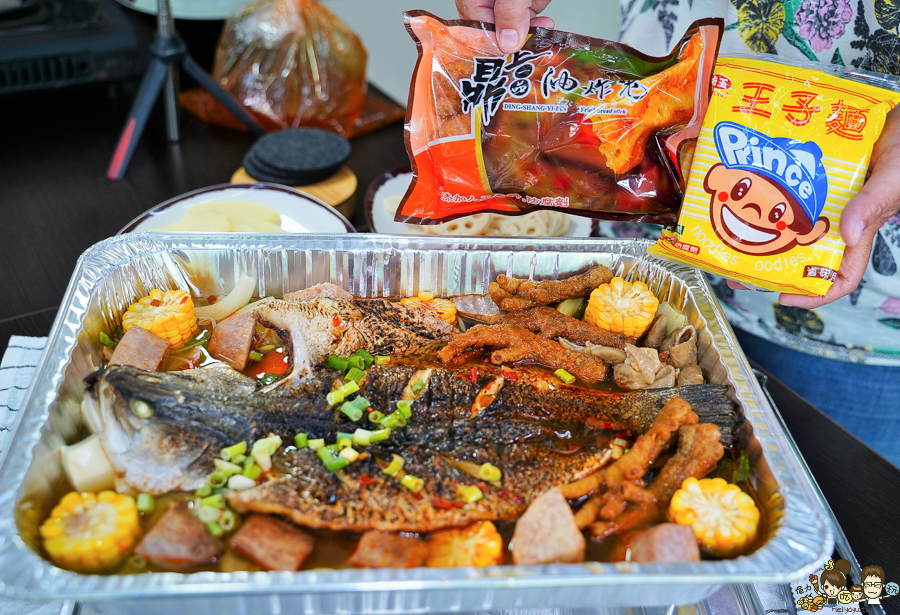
{"points": [[724, 518], [622, 307], [444, 308], [169, 314], [478, 545], [89, 532]]}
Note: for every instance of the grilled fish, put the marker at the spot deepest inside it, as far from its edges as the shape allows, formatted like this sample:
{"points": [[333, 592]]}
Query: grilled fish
{"points": [[538, 433]]}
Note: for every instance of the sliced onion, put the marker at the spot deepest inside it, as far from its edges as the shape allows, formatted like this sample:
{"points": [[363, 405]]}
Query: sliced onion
{"points": [[239, 296]]}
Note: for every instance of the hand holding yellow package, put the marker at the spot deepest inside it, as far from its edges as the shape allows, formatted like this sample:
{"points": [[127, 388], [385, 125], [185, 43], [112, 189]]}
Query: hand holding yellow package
{"points": [[781, 151]]}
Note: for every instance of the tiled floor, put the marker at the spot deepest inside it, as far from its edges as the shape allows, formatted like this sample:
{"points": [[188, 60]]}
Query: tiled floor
{"points": [[392, 54]]}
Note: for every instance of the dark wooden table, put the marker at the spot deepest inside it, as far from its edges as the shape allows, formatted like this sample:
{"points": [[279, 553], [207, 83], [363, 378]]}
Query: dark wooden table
{"points": [[55, 203]]}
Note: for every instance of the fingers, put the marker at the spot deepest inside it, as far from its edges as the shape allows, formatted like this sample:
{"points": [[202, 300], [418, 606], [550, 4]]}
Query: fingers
{"points": [[513, 18], [737, 285], [477, 10], [853, 266]]}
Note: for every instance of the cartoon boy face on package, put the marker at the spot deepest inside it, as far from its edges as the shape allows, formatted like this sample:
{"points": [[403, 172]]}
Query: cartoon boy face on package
{"points": [[767, 194]]}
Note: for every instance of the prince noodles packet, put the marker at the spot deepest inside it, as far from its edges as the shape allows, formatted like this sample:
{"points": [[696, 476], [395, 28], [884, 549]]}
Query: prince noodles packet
{"points": [[569, 122], [782, 150]]}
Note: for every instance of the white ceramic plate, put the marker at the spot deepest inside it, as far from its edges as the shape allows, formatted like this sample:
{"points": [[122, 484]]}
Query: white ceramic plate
{"points": [[382, 205], [299, 213], [190, 9]]}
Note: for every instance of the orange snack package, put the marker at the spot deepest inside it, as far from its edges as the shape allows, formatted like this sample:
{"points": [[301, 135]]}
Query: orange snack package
{"points": [[574, 123], [784, 147]]}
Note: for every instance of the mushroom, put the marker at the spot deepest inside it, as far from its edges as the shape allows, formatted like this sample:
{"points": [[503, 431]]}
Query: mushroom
{"points": [[681, 346], [657, 332], [690, 374]]}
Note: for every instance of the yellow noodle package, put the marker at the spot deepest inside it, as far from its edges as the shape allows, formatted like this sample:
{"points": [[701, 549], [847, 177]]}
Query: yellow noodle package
{"points": [[782, 150]]}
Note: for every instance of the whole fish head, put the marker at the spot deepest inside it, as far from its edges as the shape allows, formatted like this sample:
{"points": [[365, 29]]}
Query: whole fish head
{"points": [[161, 430]]}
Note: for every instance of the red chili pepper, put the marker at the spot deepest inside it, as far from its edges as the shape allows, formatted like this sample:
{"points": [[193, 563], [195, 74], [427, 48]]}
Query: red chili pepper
{"points": [[509, 375], [366, 480], [417, 496], [184, 299], [481, 486], [473, 375], [445, 505], [664, 356], [623, 434], [212, 298], [336, 321], [572, 447]]}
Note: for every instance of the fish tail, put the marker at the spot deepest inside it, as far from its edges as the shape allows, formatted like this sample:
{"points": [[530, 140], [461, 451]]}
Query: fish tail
{"points": [[712, 405]]}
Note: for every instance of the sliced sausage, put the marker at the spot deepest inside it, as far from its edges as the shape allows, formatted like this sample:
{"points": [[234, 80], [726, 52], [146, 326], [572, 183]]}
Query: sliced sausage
{"points": [[667, 542], [231, 340], [547, 532], [385, 550], [273, 544], [140, 348], [179, 540]]}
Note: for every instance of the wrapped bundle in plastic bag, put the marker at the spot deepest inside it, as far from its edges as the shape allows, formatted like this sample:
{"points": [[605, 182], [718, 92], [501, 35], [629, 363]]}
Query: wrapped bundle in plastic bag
{"points": [[291, 63]]}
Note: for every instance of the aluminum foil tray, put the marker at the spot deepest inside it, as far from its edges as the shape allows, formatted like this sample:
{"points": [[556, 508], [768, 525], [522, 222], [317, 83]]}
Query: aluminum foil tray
{"points": [[116, 272]]}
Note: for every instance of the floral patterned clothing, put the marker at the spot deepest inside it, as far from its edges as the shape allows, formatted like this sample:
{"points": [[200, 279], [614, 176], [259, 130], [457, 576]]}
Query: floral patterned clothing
{"points": [[865, 325]]}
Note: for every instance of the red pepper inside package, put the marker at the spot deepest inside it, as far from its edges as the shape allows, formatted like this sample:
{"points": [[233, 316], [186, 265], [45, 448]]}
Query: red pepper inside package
{"points": [[584, 125]]}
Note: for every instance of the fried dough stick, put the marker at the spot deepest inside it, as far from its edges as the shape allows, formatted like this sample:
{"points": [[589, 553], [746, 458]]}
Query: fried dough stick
{"points": [[515, 295], [519, 344], [699, 450], [550, 323]]}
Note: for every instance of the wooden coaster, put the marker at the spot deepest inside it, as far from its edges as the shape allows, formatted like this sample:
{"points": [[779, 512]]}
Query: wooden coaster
{"points": [[338, 190]]}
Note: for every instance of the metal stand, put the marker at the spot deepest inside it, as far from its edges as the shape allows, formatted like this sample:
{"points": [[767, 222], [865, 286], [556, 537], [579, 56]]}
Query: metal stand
{"points": [[167, 51]]}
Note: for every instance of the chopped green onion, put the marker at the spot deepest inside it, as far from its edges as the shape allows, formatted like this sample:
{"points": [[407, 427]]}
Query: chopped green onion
{"points": [[215, 529], [335, 362], [301, 440], [266, 348], [564, 376], [348, 388], [137, 562], [209, 514], [343, 435], [239, 459], [380, 435], [217, 479], [316, 444], [355, 375], [362, 437], [375, 416], [199, 340], [239, 482], [145, 503], [417, 387], [572, 307], [405, 408], [255, 356], [234, 450], [331, 459], [203, 491], [366, 357], [349, 454], [252, 471], [227, 521], [344, 442], [489, 472], [394, 420], [334, 398], [263, 460], [104, 339], [469, 493], [268, 379], [395, 465], [227, 468], [413, 483], [266, 445], [361, 402], [221, 491], [356, 361], [352, 412], [382, 360], [249, 461], [216, 501]]}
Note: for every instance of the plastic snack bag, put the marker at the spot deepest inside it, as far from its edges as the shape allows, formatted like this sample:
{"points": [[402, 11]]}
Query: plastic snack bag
{"points": [[570, 122], [291, 63], [782, 150]]}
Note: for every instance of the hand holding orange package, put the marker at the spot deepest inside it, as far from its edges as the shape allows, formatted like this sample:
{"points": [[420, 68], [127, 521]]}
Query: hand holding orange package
{"points": [[572, 123], [782, 150]]}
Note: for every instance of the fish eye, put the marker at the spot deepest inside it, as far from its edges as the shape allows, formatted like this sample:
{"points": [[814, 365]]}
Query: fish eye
{"points": [[777, 212], [741, 189]]}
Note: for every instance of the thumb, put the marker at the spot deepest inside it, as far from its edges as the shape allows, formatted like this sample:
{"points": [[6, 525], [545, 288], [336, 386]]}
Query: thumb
{"points": [[513, 17]]}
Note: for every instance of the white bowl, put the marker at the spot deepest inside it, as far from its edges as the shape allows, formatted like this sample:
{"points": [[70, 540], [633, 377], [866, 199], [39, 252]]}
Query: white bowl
{"points": [[300, 213]]}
